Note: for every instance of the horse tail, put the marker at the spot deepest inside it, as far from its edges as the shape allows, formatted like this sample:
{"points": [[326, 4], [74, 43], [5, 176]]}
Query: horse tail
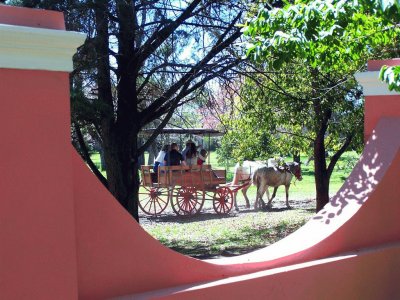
{"points": [[256, 179]]}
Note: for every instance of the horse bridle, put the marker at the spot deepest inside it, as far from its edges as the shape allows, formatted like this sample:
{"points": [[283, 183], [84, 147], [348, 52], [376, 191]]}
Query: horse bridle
{"points": [[296, 175]]}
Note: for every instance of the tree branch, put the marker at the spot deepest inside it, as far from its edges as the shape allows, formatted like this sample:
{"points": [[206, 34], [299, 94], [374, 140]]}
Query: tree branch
{"points": [[159, 36], [339, 153], [156, 132], [294, 134], [221, 45]]}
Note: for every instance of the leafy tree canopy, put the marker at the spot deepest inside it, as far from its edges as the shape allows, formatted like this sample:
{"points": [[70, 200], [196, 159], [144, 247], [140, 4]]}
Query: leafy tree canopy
{"points": [[310, 29], [334, 36], [274, 115]]}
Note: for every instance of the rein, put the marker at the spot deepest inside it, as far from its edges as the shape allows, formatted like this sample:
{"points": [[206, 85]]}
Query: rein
{"points": [[295, 177], [285, 169]]}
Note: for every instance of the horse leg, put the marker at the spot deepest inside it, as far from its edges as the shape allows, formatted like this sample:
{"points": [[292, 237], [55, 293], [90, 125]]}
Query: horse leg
{"points": [[244, 192], [287, 195], [235, 201], [259, 194], [262, 203], [256, 201], [268, 202], [273, 196]]}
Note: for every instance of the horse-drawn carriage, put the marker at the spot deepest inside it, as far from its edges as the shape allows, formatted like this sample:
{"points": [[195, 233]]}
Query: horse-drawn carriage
{"points": [[186, 188]]}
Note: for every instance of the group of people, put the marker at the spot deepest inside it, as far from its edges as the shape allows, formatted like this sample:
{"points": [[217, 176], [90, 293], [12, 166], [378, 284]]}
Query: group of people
{"points": [[170, 156]]}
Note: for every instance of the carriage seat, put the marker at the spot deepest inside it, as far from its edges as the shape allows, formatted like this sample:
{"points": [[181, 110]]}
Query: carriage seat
{"points": [[149, 178], [195, 175]]}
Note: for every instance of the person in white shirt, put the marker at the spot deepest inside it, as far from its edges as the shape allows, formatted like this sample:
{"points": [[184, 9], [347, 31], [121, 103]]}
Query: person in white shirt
{"points": [[159, 160]]}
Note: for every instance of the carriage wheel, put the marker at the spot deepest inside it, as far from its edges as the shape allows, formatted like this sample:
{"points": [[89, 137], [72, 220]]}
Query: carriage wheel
{"points": [[153, 201], [223, 200], [187, 201]]}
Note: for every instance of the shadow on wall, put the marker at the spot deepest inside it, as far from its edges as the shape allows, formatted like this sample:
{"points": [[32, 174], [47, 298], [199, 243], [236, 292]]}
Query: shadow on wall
{"points": [[362, 181]]}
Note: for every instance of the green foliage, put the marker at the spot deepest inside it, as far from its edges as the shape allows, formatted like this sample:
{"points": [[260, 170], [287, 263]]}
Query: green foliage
{"points": [[270, 121], [245, 140], [391, 75], [325, 34], [321, 44], [334, 36]]}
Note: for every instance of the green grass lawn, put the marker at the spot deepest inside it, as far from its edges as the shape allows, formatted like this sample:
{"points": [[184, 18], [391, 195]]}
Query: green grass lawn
{"points": [[208, 235]]}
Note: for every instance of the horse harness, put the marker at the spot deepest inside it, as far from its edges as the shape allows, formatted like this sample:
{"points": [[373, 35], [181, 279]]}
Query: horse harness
{"points": [[285, 168]]}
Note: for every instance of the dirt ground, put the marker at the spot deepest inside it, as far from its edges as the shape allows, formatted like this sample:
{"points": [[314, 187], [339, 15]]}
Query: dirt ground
{"points": [[208, 212]]}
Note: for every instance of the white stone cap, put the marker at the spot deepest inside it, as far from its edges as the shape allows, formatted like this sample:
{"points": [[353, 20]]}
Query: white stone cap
{"points": [[37, 48], [372, 85]]}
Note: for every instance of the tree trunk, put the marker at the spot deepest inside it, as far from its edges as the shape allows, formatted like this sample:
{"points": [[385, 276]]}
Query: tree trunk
{"points": [[152, 153], [102, 161], [296, 157], [122, 173], [321, 173], [321, 181]]}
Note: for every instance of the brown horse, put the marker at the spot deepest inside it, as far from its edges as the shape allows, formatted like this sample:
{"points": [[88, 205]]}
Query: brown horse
{"points": [[275, 176]]}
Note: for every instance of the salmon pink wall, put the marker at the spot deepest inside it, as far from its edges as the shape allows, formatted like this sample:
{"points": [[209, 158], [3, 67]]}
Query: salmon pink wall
{"points": [[377, 104], [37, 230], [37, 216], [63, 236], [375, 65], [377, 107], [355, 219], [366, 274], [31, 17]]}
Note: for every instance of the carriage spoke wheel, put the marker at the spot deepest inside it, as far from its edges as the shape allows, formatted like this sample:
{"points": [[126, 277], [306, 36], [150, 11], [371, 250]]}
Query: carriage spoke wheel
{"points": [[187, 201], [153, 201], [223, 200]]}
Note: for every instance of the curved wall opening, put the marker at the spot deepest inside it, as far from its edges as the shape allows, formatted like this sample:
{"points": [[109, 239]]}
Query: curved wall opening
{"points": [[65, 237]]}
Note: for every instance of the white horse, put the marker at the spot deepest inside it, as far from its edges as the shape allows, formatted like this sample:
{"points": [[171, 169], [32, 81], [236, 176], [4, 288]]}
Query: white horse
{"points": [[244, 174], [275, 162]]}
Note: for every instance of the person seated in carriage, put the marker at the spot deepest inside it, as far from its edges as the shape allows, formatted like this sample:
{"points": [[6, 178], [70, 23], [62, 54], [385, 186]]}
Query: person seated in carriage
{"points": [[191, 155], [174, 157], [202, 157], [186, 149], [159, 160]]}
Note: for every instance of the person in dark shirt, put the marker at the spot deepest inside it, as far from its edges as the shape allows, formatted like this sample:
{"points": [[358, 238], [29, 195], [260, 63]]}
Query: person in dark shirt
{"points": [[186, 149], [174, 157]]}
